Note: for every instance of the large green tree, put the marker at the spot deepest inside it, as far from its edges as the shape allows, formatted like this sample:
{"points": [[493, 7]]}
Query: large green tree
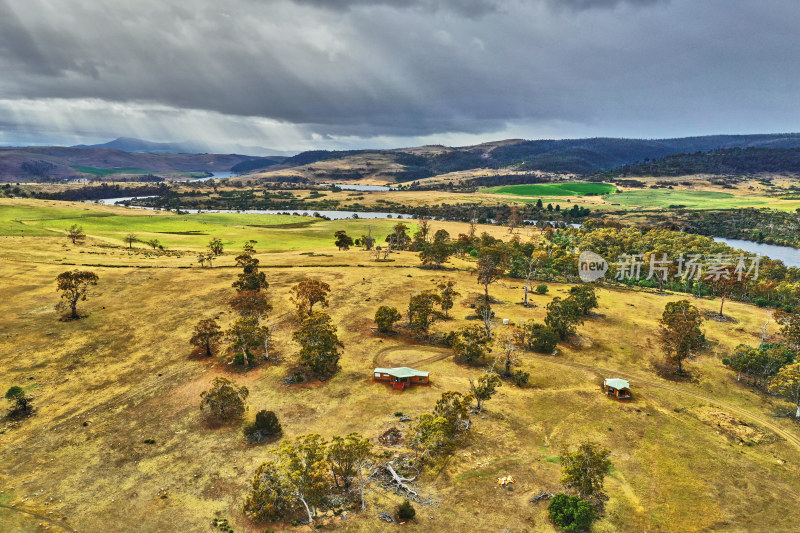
{"points": [[224, 400], [681, 336], [307, 293], [265, 426], [492, 264], [447, 293], [563, 316], [76, 234], [787, 384], [320, 348], [349, 457], [385, 317], [585, 468], [399, 239], [471, 344], [305, 463], [21, 401], [422, 310], [539, 337], [250, 278], [585, 297], [431, 436], [215, 246], [484, 388], [790, 328], [248, 337], [73, 286], [271, 496], [206, 333], [571, 513], [343, 240], [438, 251]]}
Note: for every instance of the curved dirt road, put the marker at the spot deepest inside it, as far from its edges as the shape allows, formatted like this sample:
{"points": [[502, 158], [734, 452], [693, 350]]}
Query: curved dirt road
{"points": [[441, 353]]}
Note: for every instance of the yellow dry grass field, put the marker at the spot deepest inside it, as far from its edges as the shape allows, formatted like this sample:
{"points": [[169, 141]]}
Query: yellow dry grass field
{"points": [[693, 456]]}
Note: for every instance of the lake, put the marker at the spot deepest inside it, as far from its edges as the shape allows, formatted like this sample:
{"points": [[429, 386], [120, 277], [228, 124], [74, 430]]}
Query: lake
{"points": [[333, 215], [357, 187], [218, 176], [789, 256]]}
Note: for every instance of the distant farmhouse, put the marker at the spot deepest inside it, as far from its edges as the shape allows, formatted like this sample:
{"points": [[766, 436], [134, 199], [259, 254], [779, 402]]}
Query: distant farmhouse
{"points": [[401, 378], [617, 388]]}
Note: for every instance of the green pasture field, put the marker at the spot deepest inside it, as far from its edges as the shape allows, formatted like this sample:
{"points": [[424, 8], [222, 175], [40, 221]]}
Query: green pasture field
{"points": [[274, 233], [554, 189], [100, 172], [690, 199]]}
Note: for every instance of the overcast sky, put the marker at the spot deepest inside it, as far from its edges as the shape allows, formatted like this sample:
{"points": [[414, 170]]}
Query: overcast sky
{"points": [[300, 74]]}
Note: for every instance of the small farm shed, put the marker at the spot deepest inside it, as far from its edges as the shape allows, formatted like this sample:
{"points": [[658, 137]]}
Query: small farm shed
{"points": [[618, 388], [401, 378]]}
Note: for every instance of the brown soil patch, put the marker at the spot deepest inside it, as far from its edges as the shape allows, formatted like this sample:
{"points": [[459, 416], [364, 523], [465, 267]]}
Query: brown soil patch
{"points": [[731, 427]]}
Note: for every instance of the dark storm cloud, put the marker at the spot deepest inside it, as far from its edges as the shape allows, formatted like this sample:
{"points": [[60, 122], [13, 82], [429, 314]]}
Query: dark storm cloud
{"points": [[471, 8], [354, 72], [591, 4]]}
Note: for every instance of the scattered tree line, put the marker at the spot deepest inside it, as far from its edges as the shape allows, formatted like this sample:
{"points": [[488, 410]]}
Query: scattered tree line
{"points": [[102, 191], [773, 367], [764, 226]]}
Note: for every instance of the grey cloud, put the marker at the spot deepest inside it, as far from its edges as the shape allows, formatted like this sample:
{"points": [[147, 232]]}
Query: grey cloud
{"points": [[366, 71], [16, 43], [470, 8], [599, 4]]}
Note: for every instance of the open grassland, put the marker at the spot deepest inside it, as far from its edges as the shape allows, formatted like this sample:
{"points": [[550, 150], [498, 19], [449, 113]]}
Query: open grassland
{"points": [[555, 189], [188, 232], [123, 374], [689, 199]]}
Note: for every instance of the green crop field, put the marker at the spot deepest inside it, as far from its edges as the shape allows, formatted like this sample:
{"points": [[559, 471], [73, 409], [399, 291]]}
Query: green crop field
{"points": [[554, 189], [689, 199], [100, 172]]}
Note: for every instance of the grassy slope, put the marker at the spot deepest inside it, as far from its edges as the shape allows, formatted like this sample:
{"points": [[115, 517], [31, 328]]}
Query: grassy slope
{"points": [[125, 371], [187, 232]]}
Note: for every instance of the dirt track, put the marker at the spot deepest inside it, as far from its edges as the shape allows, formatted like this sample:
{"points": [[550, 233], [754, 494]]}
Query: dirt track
{"points": [[43, 518], [791, 438], [441, 353]]}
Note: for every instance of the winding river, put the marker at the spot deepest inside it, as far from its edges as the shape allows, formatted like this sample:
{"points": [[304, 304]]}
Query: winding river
{"points": [[789, 256]]}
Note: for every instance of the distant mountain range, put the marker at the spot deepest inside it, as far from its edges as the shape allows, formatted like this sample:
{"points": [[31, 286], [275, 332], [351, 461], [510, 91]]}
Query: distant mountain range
{"points": [[42, 162], [130, 144], [572, 156]]}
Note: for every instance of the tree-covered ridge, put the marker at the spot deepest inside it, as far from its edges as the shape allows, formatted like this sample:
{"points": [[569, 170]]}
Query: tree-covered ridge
{"points": [[719, 162], [758, 225], [576, 156]]}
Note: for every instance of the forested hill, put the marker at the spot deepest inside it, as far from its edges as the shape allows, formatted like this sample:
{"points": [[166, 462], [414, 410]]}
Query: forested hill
{"points": [[759, 153], [37, 162], [719, 162], [579, 156]]}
